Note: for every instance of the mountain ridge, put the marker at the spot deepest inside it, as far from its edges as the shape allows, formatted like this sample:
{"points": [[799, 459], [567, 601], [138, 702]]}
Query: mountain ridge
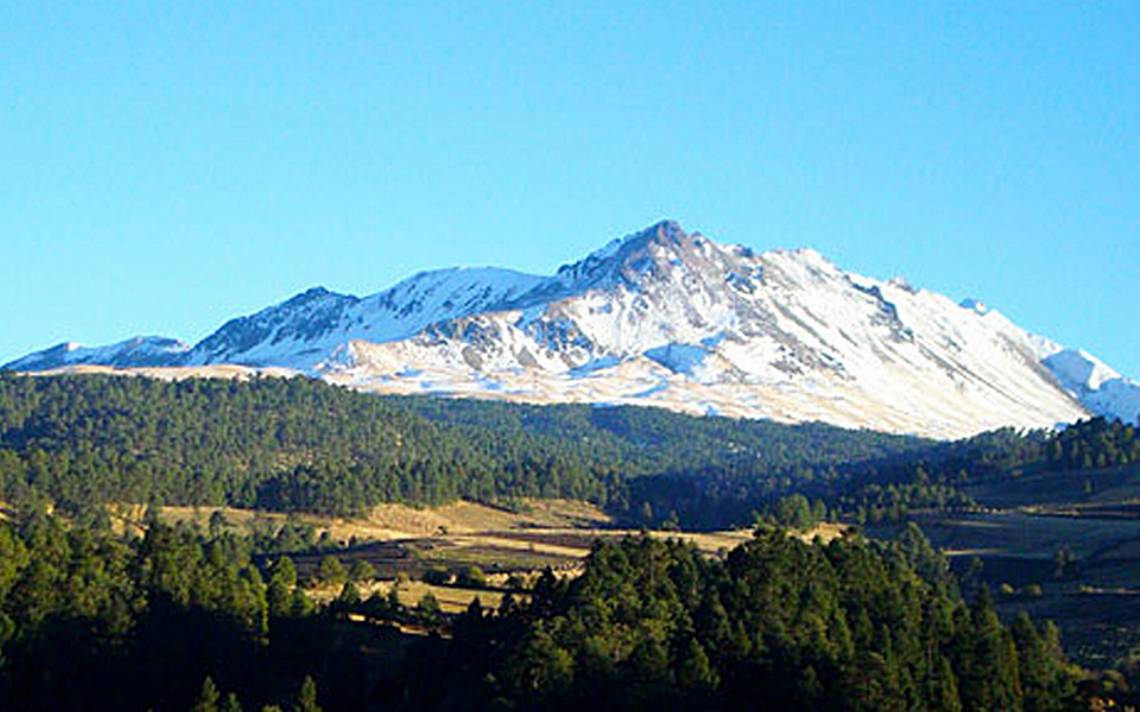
{"points": [[668, 318]]}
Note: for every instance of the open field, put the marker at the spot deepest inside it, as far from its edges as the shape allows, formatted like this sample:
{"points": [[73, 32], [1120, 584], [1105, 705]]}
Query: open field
{"points": [[452, 599], [1024, 534], [1064, 490], [465, 534], [405, 542], [396, 521]]}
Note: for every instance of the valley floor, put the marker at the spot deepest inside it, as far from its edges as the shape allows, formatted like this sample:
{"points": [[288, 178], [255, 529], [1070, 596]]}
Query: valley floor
{"points": [[403, 543]]}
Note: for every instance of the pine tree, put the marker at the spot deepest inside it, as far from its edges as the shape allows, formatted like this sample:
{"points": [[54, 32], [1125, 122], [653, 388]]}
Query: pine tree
{"points": [[282, 581], [349, 597], [332, 572], [696, 673], [944, 693], [307, 698], [360, 571], [218, 524], [207, 698]]}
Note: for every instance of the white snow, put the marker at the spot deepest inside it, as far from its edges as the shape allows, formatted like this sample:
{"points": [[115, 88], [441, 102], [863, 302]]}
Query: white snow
{"points": [[137, 351], [1078, 369], [808, 341], [682, 322], [1101, 388]]}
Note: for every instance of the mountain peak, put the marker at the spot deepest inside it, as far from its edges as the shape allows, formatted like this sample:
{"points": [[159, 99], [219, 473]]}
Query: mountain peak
{"points": [[674, 319], [312, 294], [664, 232], [609, 264]]}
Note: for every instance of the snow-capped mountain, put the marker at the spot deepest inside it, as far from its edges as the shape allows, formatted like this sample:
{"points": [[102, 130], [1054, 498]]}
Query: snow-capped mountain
{"points": [[136, 352], [676, 320], [303, 331]]}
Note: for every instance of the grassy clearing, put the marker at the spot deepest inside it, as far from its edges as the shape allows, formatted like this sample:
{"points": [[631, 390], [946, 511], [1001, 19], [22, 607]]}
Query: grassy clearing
{"points": [[559, 528], [452, 599], [1051, 489], [1019, 534], [405, 542], [555, 533], [468, 517], [396, 521], [495, 559]]}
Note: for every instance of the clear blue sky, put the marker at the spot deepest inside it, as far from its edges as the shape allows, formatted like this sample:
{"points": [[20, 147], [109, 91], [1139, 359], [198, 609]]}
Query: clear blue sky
{"points": [[165, 166]]}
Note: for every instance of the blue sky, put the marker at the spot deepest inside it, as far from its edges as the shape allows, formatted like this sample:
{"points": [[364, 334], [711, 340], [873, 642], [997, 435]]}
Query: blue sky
{"points": [[166, 166]]}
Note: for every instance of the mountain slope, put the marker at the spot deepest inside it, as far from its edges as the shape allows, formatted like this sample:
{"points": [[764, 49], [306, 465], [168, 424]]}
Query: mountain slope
{"points": [[304, 330], [136, 352], [677, 320], [1101, 389]]}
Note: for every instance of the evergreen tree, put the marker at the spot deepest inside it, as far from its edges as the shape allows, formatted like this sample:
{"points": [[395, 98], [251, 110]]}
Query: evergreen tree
{"points": [[282, 583], [696, 673], [232, 704], [207, 697], [360, 571], [307, 697], [332, 572]]}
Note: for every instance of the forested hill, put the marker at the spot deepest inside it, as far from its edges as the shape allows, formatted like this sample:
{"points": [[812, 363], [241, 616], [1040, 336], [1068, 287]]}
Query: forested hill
{"points": [[304, 445], [301, 444]]}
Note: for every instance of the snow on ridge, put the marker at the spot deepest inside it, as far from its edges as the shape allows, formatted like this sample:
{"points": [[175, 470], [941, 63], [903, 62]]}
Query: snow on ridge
{"points": [[677, 320], [782, 334], [1076, 368], [135, 351], [304, 331], [1093, 382]]}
